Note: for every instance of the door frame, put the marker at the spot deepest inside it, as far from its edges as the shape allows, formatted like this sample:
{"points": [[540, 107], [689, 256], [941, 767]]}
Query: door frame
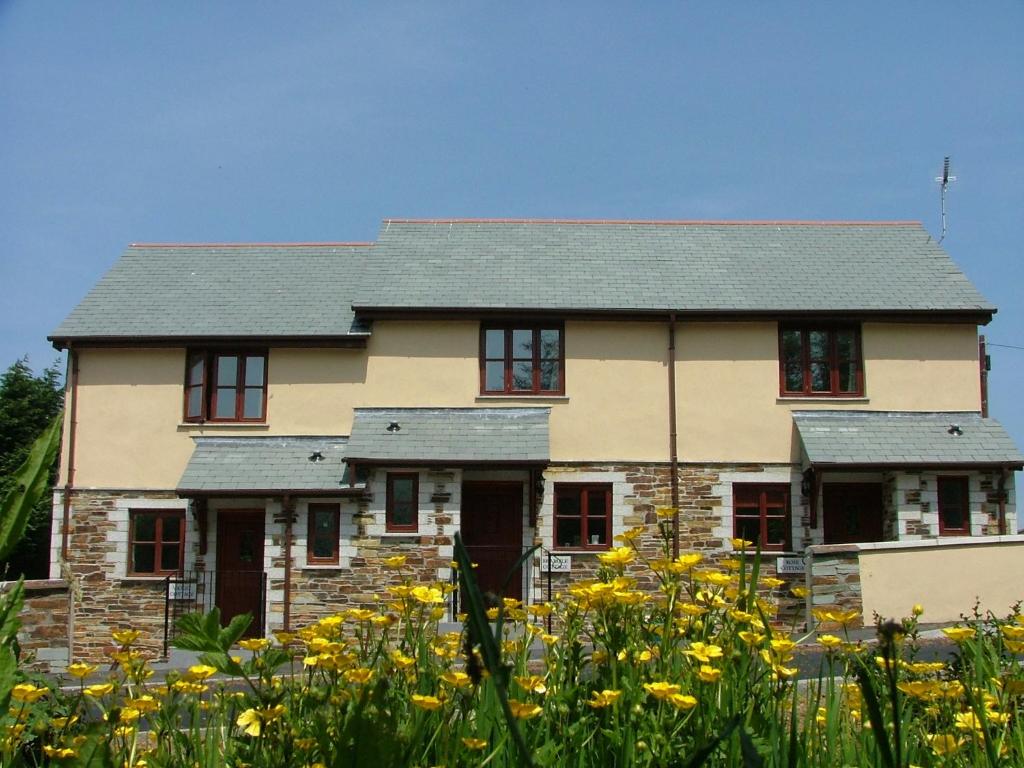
{"points": [[840, 486], [518, 487], [224, 517]]}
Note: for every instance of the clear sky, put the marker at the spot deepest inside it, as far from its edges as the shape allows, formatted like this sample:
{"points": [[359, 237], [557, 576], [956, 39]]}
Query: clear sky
{"points": [[257, 121]]}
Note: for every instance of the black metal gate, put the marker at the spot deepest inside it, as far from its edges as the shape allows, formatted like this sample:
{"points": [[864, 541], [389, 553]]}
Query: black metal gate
{"points": [[196, 592]]}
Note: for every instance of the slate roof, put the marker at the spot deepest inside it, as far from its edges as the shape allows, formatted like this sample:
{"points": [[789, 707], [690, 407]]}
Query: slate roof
{"points": [[904, 438], [236, 291], [265, 464], [450, 435], [658, 266]]}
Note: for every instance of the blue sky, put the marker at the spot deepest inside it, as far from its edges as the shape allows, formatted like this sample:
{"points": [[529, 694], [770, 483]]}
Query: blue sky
{"points": [[233, 121]]}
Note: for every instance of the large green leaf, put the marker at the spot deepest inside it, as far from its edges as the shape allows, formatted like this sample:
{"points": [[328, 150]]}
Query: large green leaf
{"points": [[30, 482]]}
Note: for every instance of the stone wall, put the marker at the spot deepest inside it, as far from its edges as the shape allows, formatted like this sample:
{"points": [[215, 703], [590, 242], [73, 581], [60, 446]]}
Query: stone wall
{"points": [[833, 581], [43, 635]]}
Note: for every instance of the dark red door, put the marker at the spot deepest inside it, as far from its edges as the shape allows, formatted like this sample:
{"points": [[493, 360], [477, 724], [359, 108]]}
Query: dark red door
{"points": [[240, 566], [492, 530], [853, 512]]}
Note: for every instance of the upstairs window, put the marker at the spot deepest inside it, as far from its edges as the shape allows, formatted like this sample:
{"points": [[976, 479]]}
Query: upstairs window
{"points": [[322, 541], [226, 385], [522, 360], [761, 514], [820, 360], [156, 542], [954, 506]]}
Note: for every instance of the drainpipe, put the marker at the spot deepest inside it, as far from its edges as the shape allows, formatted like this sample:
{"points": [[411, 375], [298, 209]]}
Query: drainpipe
{"points": [[1002, 501], [672, 436], [983, 373], [288, 508], [71, 394]]}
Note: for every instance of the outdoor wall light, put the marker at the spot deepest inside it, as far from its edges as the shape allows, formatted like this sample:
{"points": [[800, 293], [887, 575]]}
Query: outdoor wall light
{"points": [[316, 457], [954, 429], [393, 427]]}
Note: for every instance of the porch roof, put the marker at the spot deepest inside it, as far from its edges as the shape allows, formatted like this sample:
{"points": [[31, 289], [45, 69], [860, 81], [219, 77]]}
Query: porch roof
{"points": [[265, 465], [449, 436], [904, 439]]}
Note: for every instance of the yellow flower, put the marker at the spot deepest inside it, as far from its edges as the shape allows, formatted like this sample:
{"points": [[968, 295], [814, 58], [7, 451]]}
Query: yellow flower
{"points": [[689, 561], [959, 634], [359, 614], [81, 670], [201, 672], [59, 753], [456, 679], [917, 610], [631, 535], [1012, 631], [800, 592], [665, 513], [401, 660], [709, 674], [741, 544], [967, 721], [427, 595], [125, 637], [784, 672], [428, 703], [682, 701], [750, 638], [285, 638], [741, 616], [100, 689], [532, 684], [944, 743], [472, 743], [359, 676], [1014, 646], [187, 686], [524, 710], [28, 693], [255, 644], [704, 652], [919, 689], [252, 720], [617, 557], [830, 641], [771, 582], [60, 723], [144, 703], [604, 698], [397, 561], [661, 690]]}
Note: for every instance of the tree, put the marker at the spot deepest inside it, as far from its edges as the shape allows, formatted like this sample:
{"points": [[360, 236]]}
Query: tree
{"points": [[28, 404]]}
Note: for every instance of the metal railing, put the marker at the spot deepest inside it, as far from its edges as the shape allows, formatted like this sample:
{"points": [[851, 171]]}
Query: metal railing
{"points": [[528, 585], [199, 591]]}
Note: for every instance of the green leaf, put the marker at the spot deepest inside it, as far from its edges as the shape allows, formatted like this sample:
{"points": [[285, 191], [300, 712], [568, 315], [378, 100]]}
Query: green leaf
{"points": [[701, 756], [202, 632], [874, 708], [11, 603], [29, 484]]}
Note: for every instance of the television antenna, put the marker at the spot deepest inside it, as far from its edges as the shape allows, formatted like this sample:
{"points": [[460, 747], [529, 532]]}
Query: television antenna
{"points": [[944, 182]]}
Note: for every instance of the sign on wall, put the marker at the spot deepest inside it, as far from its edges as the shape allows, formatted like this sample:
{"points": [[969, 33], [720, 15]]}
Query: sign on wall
{"points": [[556, 563], [790, 565]]}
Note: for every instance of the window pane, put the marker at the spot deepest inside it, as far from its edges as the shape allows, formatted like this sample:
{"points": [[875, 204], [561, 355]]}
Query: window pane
{"points": [[846, 345], [794, 377], [748, 528], [567, 533], [494, 343], [549, 375], [549, 345], [227, 370], [568, 503], [254, 370], [253, 408], [495, 376], [597, 530], [847, 377], [792, 347], [776, 531], [169, 557], [145, 528], [819, 345], [401, 489], [820, 379], [195, 370], [522, 343], [143, 558], [171, 529], [195, 402], [596, 503], [522, 375], [225, 403], [402, 513]]}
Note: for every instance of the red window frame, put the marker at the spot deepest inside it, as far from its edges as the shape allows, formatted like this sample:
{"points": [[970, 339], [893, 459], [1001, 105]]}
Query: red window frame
{"points": [[163, 518], [945, 482], [389, 515], [314, 509], [206, 385], [763, 502], [508, 359], [583, 492], [832, 359]]}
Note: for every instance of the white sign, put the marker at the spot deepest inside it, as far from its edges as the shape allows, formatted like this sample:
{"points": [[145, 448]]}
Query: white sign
{"points": [[556, 563], [790, 565], [183, 590]]}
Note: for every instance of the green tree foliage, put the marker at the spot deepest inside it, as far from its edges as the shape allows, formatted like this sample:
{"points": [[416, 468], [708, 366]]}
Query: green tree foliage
{"points": [[28, 405]]}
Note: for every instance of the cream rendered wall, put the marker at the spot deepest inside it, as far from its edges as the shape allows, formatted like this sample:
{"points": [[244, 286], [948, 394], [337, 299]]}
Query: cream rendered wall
{"points": [[130, 433], [728, 384]]}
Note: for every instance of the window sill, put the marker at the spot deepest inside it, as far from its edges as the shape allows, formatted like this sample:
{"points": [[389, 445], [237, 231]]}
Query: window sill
{"points": [[782, 399], [190, 425], [321, 567], [557, 552], [524, 398], [400, 535], [145, 579]]}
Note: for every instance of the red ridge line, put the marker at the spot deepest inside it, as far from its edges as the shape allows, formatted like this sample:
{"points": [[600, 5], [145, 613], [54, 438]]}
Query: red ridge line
{"points": [[659, 222]]}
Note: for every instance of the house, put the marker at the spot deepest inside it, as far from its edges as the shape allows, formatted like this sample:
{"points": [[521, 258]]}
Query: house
{"points": [[260, 426]]}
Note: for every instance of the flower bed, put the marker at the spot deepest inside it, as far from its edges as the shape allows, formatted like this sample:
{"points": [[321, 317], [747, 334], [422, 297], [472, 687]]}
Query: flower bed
{"points": [[695, 673]]}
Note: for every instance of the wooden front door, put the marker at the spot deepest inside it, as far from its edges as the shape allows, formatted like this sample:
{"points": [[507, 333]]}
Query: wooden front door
{"points": [[852, 512], [492, 530], [240, 566]]}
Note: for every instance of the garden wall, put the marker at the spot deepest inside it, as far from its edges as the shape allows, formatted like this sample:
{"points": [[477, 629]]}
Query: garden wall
{"points": [[43, 636]]}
